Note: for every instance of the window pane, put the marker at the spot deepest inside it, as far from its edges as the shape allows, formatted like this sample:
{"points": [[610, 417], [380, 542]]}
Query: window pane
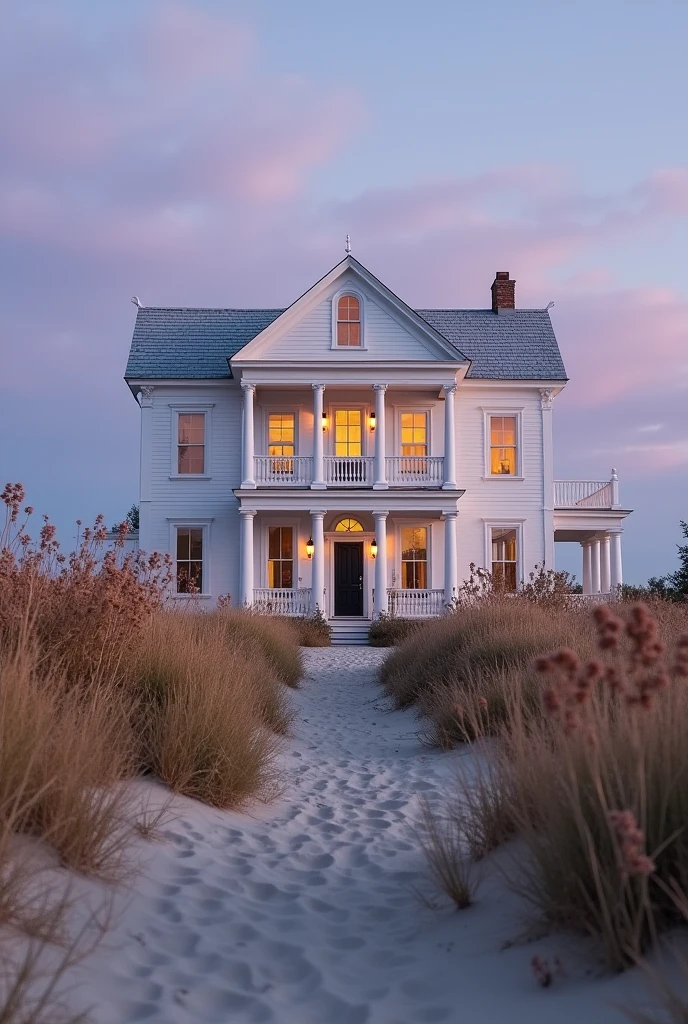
{"points": [[191, 459], [274, 542], [503, 461], [287, 574], [509, 430], [183, 543], [342, 333], [287, 542], [340, 416], [348, 308], [354, 334], [191, 428], [196, 543]]}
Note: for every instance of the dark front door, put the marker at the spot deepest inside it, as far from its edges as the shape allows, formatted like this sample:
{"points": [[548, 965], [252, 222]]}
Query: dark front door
{"points": [[348, 579]]}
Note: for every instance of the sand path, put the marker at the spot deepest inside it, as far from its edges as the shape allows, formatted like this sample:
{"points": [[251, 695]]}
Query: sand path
{"points": [[306, 912]]}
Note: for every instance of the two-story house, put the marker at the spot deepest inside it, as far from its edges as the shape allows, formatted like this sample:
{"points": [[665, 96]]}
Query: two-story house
{"points": [[355, 455]]}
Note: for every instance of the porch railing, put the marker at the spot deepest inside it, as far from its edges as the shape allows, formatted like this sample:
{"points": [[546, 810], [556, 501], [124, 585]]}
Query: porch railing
{"points": [[415, 604], [415, 469], [583, 494], [283, 601], [283, 470], [349, 471]]}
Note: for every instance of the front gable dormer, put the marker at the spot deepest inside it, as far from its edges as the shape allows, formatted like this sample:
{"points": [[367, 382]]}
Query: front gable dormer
{"points": [[321, 327]]}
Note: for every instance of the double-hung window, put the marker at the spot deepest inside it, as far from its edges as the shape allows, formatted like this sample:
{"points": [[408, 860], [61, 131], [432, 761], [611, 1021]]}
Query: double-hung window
{"points": [[189, 560], [503, 437], [191, 443], [281, 557], [414, 557], [281, 435], [349, 321], [348, 433], [414, 441], [504, 553]]}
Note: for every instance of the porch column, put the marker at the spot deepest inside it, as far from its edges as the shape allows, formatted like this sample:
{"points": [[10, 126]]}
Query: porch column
{"points": [[318, 570], [246, 517], [380, 443], [605, 564], [380, 563], [616, 566], [146, 467], [451, 577], [587, 566], [595, 558], [318, 464], [449, 437], [247, 478]]}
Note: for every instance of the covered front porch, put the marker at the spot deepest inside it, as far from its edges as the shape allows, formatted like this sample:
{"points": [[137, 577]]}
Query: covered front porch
{"points": [[349, 561]]}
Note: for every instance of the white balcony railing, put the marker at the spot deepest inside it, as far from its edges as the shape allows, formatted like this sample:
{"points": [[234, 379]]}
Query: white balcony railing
{"points": [[283, 470], [583, 494], [349, 471], [415, 470], [415, 604], [283, 601]]}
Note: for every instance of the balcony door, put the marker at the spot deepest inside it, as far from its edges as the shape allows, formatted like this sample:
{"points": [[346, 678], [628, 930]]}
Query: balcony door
{"points": [[348, 578]]}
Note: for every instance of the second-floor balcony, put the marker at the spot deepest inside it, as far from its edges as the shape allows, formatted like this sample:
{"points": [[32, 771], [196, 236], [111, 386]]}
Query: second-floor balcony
{"points": [[587, 493], [349, 471]]}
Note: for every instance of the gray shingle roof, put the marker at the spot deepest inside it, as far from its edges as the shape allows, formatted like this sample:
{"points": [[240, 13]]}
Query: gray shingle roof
{"points": [[196, 343]]}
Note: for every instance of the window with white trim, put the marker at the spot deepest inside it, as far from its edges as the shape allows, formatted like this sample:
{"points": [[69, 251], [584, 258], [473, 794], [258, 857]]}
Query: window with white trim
{"points": [[281, 441], [503, 444], [348, 321], [189, 555], [191, 443], [414, 557], [504, 556], [281, 557]]}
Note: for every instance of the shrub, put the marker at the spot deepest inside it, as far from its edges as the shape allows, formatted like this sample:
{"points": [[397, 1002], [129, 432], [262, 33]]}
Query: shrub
{"points": [[205, 705], [311, 630], [388, 630], [459, 670]]}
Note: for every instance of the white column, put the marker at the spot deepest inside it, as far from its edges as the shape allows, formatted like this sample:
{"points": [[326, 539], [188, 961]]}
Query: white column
{"points": [[616, 564], [380, 434], [449, 437], [451, 570], [318, 570], [546, 402], [247, 478], [246, 557], [318, 465], [605, 564], [380, 563], [595, 560], [587, 567], [146, 469], [615, 489]]}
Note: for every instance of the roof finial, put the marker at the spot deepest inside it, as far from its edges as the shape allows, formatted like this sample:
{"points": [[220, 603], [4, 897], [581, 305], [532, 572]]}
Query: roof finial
{"points": [[347, 245]]}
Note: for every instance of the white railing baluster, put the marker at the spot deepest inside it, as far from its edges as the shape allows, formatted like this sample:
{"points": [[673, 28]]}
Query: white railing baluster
{"points": [[349, 471], [282, 601], [583, 493], [283, 470], [415, 604], [415, 470]]}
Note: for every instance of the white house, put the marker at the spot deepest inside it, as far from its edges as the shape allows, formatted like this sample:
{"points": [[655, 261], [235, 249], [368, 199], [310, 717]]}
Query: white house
{"points": [[352, 454]]}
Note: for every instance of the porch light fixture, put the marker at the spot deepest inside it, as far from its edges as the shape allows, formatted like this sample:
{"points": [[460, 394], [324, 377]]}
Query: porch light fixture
{"points": [[373, 548], [372, 421], [310, 547]]}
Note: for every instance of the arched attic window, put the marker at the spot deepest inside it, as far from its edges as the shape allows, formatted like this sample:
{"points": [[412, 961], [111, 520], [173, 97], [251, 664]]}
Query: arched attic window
{"points": [[348, 526], [349, 321]]}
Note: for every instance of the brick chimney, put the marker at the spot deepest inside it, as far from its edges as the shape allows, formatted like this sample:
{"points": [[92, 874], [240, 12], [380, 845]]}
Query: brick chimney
{"points": [[503, 292]]}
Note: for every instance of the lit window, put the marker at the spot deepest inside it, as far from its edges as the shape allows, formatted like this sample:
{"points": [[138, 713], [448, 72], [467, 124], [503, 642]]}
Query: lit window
{"points": [[281, 441], [349, 321], [191, 442], [414, 433], [281, 557], [348, 432], [504, 558], [503, 452], [189, 560], [348, 526], [414, 557]]}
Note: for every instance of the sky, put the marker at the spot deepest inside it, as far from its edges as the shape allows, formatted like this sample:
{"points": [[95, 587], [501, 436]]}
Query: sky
{"points": [[217, 152]]}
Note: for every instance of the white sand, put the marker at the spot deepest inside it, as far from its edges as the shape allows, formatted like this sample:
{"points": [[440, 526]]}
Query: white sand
{"points": [[307, 913]]}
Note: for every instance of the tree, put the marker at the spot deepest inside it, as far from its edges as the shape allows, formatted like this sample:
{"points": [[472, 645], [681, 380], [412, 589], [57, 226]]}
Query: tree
{"points": [[131, 519], [675, 584]]}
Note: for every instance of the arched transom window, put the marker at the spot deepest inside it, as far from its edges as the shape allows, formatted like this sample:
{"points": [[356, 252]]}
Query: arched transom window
{"points": [[348, 526], [349, 321]]}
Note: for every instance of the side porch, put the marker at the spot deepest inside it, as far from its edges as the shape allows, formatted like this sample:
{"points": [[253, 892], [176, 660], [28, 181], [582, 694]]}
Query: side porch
{"points": [[589, 513]]}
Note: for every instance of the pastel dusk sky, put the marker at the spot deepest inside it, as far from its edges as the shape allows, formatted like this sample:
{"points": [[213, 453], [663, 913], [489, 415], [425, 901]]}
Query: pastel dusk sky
{"points": [[216, 153]]}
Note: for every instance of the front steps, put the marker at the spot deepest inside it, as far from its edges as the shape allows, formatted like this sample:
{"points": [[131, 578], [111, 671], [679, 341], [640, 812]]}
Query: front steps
{"points": [[349, 632]]}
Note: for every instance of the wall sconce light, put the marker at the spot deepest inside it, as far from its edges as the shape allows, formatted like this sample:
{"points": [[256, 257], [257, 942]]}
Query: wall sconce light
{"points": [[372, 420], [373, 549], [310, 547], [324, 421]]}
